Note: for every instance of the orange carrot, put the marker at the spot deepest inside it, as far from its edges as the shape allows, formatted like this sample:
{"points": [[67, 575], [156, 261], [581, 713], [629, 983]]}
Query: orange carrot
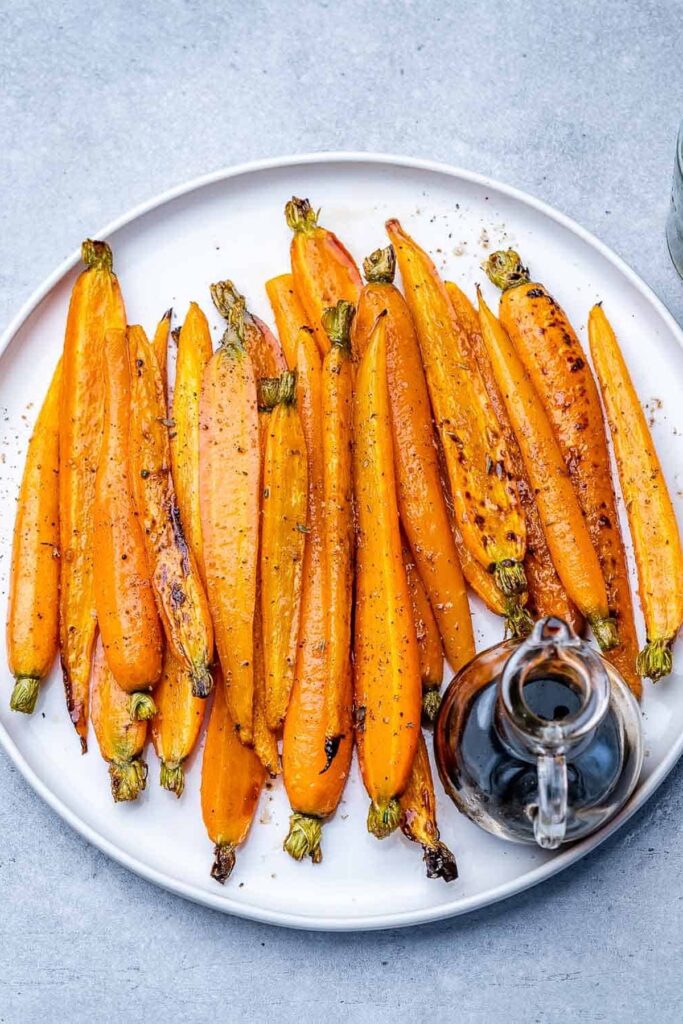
{"points": [[288, 312], [418, 818], [121, 739], [160, 342], [428, 639], [177, 723]]}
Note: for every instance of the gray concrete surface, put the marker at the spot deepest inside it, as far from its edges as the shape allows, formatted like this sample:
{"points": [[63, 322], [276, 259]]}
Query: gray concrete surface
{"points": [[105, 104]]}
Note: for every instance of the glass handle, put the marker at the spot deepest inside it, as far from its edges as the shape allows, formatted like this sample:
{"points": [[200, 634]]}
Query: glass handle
{"points": [[550, 819]]}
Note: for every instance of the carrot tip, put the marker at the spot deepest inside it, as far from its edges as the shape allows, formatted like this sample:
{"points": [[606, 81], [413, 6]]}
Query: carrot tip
{"points": [[142, 707], [25, 695], [518, 621], [96, 255], [336, 321], [380, 266], [655, 660], [202, 683], [172, 778], [431, 701], [440, 862], [303, 838], [384, 817], [300, 215], [505, 269], [274, 391], [224, 862], [510, 577], [605, 632], [128, 779]]}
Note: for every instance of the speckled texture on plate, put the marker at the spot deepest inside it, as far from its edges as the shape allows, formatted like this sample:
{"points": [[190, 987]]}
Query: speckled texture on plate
{"points": [[575, 102]]}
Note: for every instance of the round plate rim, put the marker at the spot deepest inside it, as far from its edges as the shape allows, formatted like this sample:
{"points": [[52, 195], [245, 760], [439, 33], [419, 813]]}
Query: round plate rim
{"points": [[224, 903]]}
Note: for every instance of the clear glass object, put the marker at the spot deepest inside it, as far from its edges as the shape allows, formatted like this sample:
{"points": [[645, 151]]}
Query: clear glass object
{"points": [[674, 223], [540, 740]]}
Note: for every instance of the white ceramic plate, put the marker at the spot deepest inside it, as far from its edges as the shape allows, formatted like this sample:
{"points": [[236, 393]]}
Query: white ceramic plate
{"points": [[231, 224]]}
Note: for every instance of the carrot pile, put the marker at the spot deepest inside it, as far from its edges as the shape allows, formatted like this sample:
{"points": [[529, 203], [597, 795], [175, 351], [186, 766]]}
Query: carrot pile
{"points": [[287, 539]]}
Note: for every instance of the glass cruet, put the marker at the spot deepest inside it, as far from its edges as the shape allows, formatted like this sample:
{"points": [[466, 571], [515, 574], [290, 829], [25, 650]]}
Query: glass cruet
{"points": [[539, 740]]}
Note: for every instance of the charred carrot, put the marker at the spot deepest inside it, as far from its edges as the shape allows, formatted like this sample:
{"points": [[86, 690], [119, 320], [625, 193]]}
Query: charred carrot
{"points": [[33, 609], [314, 786], [160, 342], [124, 599], [421, 500], [546, 595], [283, 533], [551, 352], [121, 739], [96, 304], [194, 351], [427, 636], [656, 537], [288, 312], [232, 780], [229, 472], [418, 818], [180, 596], [337, 411], [565, 528], [483, 488], [262, 346], [323, 270], [177, 722], [388, 689]]}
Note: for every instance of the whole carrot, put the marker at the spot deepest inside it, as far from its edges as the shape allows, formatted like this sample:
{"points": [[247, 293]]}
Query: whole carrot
{"points": [[564, 526], [124, 599], [551, 352], [323, 270], [177, 722], [288, 312], [483, 488], [656, 537], [33, 608], [229, 471], [418, 818], [96, 304], [121, 739], [387, 685], [421, 501]]}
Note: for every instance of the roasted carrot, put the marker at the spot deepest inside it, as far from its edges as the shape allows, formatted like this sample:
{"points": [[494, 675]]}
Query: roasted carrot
{"points": [[229, 472], [160, 343], [288, 312], [546, 595], [314, 786], [121, 739], [283, 532], [180, 596], [265, 738], [96, 304], [337, 411], [552, 354], [323, 270], [421, 500], [565, 528], [418, 818], [387, 689], [177, 722], [33, 607], [232, 780], [427, 636], [194, 351], [656, 537], [263, 347], [124, 599], [483, 487]]}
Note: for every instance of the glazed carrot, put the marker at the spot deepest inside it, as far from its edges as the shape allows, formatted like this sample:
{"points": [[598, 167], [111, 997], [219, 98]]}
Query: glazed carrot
{"points": [[288, 312], [229, 472], [554, 358], [427, 636], [177, 722], [96, 304], [265, 738], [656, 537], [160, 342], [194, 351], [33, 607], [232, 780], [121, 739], [323, 270], [337, 410], [283, 532], [261, 344], [546, 595], [420, 495], [388, 689], [180, 596], [124, 599], [314, 786], [565, 528], [418, 818], [483, 488]]}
